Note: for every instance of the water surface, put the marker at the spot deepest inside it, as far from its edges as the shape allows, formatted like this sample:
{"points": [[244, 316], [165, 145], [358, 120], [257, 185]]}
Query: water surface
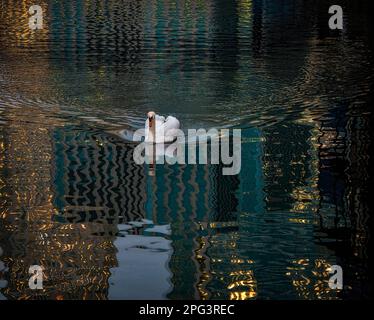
{"points": [[73, 200]]}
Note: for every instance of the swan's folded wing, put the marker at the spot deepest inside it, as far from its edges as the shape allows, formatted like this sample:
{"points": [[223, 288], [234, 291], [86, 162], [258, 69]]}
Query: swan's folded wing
{"points": [[171, 128], [171, 123]]}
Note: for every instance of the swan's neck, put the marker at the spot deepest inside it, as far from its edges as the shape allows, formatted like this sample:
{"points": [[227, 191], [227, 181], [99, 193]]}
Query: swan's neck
{"points": [[152, 132]]}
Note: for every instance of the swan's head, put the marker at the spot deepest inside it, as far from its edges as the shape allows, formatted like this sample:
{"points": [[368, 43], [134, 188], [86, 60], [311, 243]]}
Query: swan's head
{"points": [[151, 117]]}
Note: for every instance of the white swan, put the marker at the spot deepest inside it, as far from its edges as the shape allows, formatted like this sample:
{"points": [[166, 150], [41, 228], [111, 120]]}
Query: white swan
{"points": [[161, 130]]}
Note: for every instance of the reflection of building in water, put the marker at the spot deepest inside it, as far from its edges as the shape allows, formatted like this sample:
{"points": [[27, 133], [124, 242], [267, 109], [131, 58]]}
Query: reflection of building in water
{"points": [[314, 174], [341, 141], [197, 207], [68, 215], [104, 31], [97, 179], [207, 229], [128, 31], [75, 260], [343, 148]]}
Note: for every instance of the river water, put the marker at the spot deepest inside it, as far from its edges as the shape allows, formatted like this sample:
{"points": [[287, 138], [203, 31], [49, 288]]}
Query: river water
{"points": [[102, 227]]}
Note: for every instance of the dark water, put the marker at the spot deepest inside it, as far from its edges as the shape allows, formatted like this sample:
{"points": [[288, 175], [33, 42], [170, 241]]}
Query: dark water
{"points": [[73, 201]]}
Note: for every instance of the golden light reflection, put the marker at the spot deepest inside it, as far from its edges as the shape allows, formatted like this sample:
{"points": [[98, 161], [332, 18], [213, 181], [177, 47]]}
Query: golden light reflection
{"points": [[242, 295], [235, 272], [302, 221], [248, 286], [310, 279], [241, 283], [75, 261], [16, 22]]}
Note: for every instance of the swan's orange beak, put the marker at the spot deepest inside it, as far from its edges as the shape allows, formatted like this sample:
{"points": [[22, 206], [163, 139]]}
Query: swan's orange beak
{"points": [[150, 121]]}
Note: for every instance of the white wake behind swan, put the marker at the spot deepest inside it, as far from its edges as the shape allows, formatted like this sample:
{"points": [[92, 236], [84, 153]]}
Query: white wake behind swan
{"points": [[161, 130]]}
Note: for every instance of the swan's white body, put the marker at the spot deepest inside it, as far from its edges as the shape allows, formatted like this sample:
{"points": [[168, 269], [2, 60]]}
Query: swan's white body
{"points": [[162, 130]]}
